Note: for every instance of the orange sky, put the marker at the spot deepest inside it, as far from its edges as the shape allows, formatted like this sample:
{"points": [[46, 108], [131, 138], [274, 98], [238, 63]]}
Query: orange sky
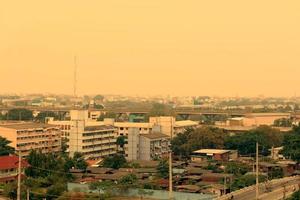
{"points": [[191, 47]]}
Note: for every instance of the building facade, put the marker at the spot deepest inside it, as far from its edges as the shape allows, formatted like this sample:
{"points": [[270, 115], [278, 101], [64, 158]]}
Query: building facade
{"points": [[146, 146], [25, 137]]}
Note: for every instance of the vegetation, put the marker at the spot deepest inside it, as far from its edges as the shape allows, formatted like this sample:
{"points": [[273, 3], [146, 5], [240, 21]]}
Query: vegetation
{"points": [[115, 161], [107, 115], [163, 168], [47, 175], [121, 141], [295, 196], [291, 144], [283, 122], [19, 114], [245, 181], [204, 137], [245, 143], [159, 109], [41, 117], [104, 188], [5, 149]]}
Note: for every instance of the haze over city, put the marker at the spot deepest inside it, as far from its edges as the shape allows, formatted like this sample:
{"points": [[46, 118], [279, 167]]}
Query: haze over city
{"points": [[223, 48]]}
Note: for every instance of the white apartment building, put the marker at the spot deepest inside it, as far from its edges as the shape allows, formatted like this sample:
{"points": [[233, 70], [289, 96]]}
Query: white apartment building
{"points": [[146, 146]]}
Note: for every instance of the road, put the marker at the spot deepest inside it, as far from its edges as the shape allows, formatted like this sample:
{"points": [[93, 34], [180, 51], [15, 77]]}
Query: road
{"points": [[269, 191]]}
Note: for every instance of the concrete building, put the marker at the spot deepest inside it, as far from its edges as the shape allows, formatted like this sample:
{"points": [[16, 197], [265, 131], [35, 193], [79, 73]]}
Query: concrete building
{"points": [[25, 137], [94, 140], [146, 146]]}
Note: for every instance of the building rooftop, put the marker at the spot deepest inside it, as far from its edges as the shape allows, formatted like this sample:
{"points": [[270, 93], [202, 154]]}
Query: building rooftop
{"points": [[132, 125], [185, 123], [153, 136], [98, 128], [11, 162], [22, 126], [211, 151]]}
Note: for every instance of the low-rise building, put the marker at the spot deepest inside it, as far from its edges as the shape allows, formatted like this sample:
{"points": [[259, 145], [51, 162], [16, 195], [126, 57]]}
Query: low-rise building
{"points": [[214, 154], [25, 137], [9, 168], [146, 146]]}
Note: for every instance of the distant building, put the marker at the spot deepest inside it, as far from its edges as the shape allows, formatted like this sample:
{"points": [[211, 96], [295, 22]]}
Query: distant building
{"points": [[25, 137], [9, 168], [146, 146], [214, 154]]}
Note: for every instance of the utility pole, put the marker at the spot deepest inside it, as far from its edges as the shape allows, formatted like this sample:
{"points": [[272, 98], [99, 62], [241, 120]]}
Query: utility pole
{"points": [[170, 165], [28, 194], [19, 177], [257, 180]]}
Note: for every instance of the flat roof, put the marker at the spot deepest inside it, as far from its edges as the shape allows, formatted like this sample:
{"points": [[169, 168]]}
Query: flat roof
{"points": [[185, 123], [212, 151], [22, 126], [154, 135], [98, 128]]}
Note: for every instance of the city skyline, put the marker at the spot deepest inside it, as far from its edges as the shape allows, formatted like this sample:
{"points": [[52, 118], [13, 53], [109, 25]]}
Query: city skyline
{"points": [[134, 47]]}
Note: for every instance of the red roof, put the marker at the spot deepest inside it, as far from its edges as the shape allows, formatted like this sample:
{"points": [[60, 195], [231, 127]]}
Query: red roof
{"points": [[11, 162]]}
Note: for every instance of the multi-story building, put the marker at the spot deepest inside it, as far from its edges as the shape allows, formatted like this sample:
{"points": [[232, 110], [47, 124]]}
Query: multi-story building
{"points": [[9, 168], [25, 137], [146, 146], [93, 140]]}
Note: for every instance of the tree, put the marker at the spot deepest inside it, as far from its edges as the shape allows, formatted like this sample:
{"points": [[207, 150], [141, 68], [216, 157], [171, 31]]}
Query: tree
{"points": [[159, 109], [126, 182], [283, 122], [295, 196], [5, 149], [238, 169], [245, 181], [245, 143], [121, 141], [104, 188], [107, 115], [115, 161], [291, 144], [19, 114], [204, 137], [41, 117], [79, 162], [163, 168]]}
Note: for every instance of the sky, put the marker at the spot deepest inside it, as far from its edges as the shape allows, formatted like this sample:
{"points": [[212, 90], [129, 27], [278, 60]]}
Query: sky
{"points": [[149, 47]]}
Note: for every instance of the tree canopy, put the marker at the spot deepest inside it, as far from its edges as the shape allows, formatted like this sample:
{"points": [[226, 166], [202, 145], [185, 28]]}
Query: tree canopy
{"points": [[19, 114], [191, 140], [115, 161], [291, 144], [246, 143], [5, 149]]}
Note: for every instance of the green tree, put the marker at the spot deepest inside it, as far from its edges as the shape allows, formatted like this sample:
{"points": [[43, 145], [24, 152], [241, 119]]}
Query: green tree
{"points": [[283, 122], [107, 115], [19, 114], [41, 117], [163, 168], [5, 149], [115, 161], [194, 139], [291, 144], [126, 182], [238, 169], [295, 196], [121, 141], [245, 181], [104, 188], [246, 143], [79, 162]]}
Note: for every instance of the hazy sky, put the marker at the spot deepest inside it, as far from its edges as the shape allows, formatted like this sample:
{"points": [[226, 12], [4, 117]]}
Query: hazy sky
{"points": [[186, 47]]}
